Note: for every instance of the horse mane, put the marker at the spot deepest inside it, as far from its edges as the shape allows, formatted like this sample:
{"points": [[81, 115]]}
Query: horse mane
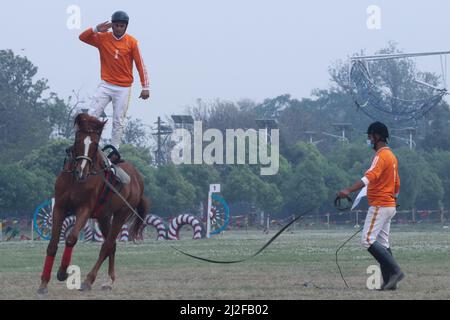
{"points": [[87, 123]]}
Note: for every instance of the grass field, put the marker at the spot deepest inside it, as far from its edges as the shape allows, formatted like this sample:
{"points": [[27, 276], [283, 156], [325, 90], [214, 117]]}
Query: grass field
{"points": [[299, 265]]}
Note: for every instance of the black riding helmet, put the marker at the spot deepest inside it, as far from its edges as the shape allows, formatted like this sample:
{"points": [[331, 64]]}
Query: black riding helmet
{"points": [[120, 16], [380, 129]]}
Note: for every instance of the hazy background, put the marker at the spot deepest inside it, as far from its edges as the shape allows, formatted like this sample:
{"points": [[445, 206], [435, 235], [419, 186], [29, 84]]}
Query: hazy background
{"points": [[219, 49]]}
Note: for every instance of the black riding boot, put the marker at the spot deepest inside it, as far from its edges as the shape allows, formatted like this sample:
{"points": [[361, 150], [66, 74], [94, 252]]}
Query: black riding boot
{"points": [[388, 263], [112, 153], [385, 272]]}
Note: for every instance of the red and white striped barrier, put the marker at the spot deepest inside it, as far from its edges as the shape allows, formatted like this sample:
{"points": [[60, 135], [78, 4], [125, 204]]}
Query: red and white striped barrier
{"points": [[98, 237], [94, 233], [182, 219], [68, 223], [123, 235], [158, 223]]}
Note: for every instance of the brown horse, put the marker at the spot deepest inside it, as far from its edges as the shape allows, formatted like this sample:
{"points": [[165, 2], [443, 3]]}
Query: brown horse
{"points": [[77, 189]]}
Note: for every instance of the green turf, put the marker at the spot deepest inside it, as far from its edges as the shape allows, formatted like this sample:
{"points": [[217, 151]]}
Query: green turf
{"points": [[299, 265]]}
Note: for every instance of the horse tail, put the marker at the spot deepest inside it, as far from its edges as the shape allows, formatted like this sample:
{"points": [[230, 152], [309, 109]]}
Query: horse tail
{"points": [[138, 222]]}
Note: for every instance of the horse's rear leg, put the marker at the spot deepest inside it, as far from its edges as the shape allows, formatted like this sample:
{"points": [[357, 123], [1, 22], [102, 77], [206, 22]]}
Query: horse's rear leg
{"points": [[135, 230], [71, 241], [52, 248], [105, 225], [111, 272], [107, 249]]}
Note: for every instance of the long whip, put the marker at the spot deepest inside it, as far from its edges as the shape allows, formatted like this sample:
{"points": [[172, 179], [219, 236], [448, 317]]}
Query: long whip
{"points": [[253, 255]]}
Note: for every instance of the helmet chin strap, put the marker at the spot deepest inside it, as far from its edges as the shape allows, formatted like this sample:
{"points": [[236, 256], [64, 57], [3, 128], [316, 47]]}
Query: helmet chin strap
{"points": [[375, 142], [117, 37]]}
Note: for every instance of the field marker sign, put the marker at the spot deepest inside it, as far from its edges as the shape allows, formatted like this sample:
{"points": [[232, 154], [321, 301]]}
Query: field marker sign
{"points": [[213, 188]]}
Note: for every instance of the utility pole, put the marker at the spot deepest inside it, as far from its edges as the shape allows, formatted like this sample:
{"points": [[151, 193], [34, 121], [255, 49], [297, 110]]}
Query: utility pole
{"points": [[158, 134]]}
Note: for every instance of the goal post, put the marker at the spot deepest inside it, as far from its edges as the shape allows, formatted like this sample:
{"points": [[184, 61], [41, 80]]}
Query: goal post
{"points": [[401, 102]]}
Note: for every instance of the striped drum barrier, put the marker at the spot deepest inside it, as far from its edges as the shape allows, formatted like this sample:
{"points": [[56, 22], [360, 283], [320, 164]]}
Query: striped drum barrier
{"points": [[156, 222], [182, 219], [68, 223]]}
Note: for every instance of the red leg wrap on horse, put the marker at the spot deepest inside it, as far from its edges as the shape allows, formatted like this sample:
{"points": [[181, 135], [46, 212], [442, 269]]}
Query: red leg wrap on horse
{"points": [[67, 256], [48, 265]]}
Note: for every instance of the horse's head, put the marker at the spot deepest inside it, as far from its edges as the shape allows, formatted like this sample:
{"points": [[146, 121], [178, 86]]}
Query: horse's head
{"points": [[87, 139]]}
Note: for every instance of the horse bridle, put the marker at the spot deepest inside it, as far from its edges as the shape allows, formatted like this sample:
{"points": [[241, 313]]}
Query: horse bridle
{"points": [[91, 161]]}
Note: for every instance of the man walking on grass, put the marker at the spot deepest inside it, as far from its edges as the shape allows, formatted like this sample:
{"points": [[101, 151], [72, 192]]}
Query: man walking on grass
{"points": [[383, 186]]}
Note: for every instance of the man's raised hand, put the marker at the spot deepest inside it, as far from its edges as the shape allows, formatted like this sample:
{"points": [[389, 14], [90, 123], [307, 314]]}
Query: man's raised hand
{"points": [[103, 27]]}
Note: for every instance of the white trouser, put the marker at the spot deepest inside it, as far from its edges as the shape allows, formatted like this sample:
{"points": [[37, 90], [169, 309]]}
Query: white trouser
{"points": [[120, 97], [377, 226]]}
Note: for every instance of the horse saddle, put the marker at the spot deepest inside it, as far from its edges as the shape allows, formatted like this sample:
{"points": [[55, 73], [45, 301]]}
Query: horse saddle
{"points": [[117, 171]]}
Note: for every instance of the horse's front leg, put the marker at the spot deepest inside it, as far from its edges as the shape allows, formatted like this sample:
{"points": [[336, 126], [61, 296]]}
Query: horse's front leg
{"points": [[58, 218], [108, 249], [71, 241]]}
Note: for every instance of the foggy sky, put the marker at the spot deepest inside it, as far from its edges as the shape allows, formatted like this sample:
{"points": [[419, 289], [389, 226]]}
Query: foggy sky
{"points": [[212, 49]]}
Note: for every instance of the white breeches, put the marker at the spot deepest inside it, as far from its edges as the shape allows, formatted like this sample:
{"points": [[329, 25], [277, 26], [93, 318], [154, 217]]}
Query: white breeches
{"points": [[120, 98], [377, 226]]}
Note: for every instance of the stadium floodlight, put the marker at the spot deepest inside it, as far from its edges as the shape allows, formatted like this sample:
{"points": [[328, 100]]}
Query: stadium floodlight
{"points": [[343, 127], [267, 123], [181, 120], [311, 135], [411, 132]]}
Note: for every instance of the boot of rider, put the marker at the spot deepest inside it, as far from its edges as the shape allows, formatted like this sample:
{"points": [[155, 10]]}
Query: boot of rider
{"points": [[114, 157], [112, 153], [386, 260]]}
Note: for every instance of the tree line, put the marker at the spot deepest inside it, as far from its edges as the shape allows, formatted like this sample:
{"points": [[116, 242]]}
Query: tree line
{"points": [[37, 126]]}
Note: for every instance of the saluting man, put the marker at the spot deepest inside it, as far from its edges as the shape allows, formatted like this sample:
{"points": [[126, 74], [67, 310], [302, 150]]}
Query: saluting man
{"points": [[383, 186], [117, 50]]}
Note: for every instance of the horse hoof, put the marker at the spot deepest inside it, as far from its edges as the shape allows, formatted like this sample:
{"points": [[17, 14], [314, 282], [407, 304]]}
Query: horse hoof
{"points": [[85, 287], [107, 287], [62, 276], [42, 291]]}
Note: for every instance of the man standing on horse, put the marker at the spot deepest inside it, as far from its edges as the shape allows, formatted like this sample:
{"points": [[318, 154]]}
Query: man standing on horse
{"points": [[117, 50], [383, 186]]}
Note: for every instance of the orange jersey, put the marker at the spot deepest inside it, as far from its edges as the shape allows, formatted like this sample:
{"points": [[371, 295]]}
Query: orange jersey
{"points": [[117, 56], [382, 179]]}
